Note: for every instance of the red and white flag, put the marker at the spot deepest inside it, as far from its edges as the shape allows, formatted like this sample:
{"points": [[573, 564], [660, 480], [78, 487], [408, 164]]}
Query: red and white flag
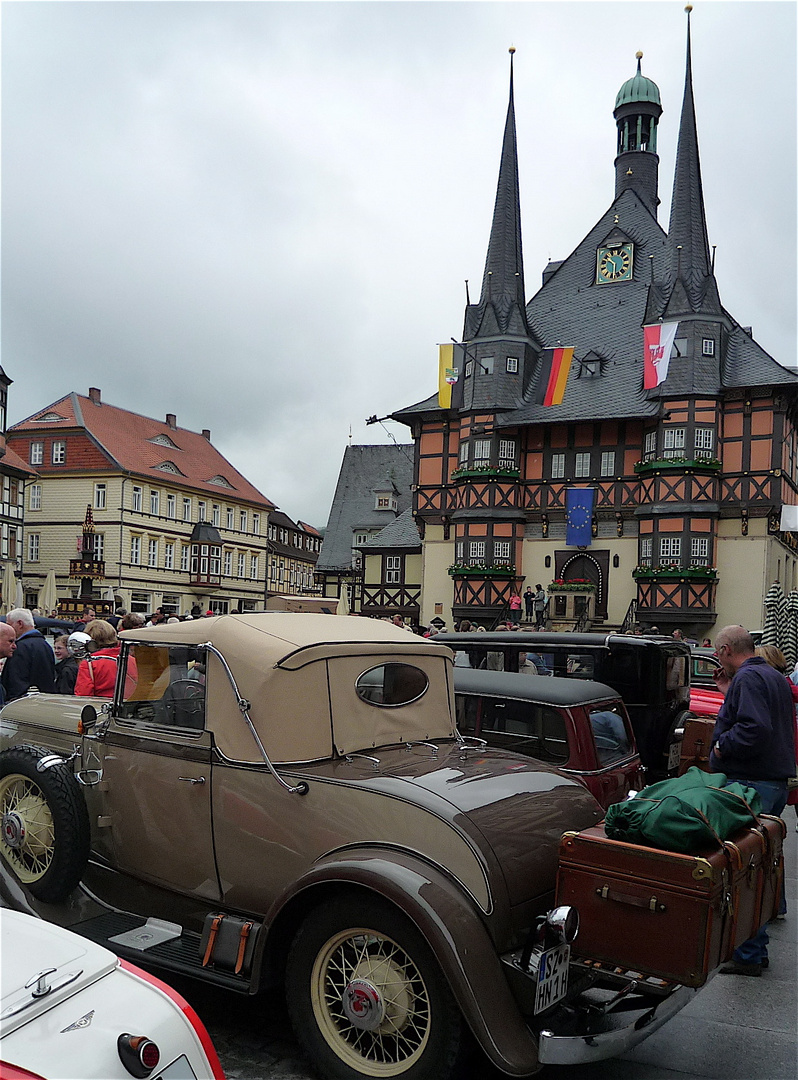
{"points": [[658, 341]]}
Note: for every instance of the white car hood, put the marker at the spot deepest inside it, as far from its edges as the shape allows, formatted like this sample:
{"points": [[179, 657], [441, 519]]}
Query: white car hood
{"points": [[30, 946]]}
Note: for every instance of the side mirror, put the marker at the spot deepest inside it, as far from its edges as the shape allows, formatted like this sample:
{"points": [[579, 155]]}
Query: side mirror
{"points": [[88, 719]]}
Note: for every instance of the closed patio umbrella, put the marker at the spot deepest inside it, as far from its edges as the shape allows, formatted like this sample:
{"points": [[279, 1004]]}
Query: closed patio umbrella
{"points": [[9, 589], [790, 646], [773, 599], [48, 594], [342, 607]]}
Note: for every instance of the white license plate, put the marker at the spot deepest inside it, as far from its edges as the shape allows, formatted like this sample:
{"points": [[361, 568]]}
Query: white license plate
{"points": [[552, 984], [673, 756]]}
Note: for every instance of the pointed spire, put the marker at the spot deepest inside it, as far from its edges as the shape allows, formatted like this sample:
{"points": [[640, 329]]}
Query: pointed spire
{"points": [[503, 280], [689, 260]]}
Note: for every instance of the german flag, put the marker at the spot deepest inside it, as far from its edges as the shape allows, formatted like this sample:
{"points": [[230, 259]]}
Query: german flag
{"points": [[555, 366]]}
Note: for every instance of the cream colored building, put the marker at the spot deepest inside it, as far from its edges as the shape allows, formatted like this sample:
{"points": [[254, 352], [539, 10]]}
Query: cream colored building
{"points": [[149, 484]]}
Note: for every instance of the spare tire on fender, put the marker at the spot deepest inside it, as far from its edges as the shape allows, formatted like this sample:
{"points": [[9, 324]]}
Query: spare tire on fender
{"points": [[45, 834]]}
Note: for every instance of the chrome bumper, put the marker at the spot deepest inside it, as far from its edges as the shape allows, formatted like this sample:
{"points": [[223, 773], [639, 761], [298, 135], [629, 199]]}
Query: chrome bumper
{"points": [[631, 1029]]}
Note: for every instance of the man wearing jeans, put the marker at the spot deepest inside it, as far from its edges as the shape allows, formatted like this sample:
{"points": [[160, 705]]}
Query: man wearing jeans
{"points": [[754, 744]]}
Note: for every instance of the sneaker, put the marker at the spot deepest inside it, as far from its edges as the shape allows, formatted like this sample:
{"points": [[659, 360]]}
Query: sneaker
{"points": [[736, 968]]}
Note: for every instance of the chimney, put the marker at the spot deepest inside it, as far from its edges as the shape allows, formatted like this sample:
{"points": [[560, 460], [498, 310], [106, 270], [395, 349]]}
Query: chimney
{"points": [[206, 433], [171, 420], [94, 395]]}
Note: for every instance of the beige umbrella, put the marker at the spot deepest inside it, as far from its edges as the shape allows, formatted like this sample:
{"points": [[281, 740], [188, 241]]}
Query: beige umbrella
{"points": [[48, 594], [342, 607], [9, 589], [19, 594]]}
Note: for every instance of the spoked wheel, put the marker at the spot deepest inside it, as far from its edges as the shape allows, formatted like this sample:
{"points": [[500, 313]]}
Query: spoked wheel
{"points": [[45, 825], [367, 997]]}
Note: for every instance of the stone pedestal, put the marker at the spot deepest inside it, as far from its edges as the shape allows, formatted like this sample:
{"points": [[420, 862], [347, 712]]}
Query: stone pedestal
{"points": [[568, 606]]}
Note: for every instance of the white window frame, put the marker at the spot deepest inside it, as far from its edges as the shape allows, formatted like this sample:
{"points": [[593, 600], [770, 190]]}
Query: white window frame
{"points": [[646, 550], [393, 569], [98, 546], [35, 497], [650, 444], [459, 551], [202, 509], [136, 497], [699, 549], [253, 567], [37, 453], [708, 347], [512, 364], [463, 452], [155, 502], [171, 505], [469, 368], [242, 521], [558, 466], [501, 551], [100, 496], [476, 550], [673, 442], [256, 524], [228, 563], [34, 540], [507, 458], [186, 509], [670, 549], [58, 453], [582, 464], [152, 552], [135, 550], [242, 564], [185, 557], [169, 555], [481, 452], [231, 518], [704, 441]]}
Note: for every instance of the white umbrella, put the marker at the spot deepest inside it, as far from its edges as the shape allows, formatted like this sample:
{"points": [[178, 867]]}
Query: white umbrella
{"points": [[19, 594], [109, 594], [342, 608], [9, 588], [48, 594]]}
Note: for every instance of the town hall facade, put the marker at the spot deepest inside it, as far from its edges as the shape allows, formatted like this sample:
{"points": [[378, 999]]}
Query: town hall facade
{"points": [[688, 478]]}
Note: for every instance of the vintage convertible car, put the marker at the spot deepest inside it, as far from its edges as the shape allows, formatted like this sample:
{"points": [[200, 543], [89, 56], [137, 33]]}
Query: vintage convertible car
{"points": [[285, 799]]}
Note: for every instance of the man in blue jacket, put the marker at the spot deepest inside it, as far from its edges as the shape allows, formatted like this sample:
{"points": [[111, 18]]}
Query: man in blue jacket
{"points": [[33, 663], [754, 743]]}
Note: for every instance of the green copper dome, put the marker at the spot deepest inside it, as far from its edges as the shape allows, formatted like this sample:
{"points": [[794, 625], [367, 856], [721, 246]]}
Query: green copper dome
{"points": [[638, 88]]}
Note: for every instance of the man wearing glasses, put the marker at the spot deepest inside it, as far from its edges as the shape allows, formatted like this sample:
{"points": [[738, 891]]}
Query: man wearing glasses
{"points": [[753, 743]]}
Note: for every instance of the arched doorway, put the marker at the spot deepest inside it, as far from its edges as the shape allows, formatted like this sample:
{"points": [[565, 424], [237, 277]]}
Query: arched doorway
{"points": [[593, 565]]}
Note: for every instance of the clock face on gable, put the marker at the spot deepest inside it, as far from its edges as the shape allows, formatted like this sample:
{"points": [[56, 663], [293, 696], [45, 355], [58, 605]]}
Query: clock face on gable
{"points": [[614, 263]]}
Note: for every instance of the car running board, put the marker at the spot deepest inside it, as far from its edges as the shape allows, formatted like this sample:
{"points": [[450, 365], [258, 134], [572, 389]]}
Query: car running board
{"points": [[180, 954]]}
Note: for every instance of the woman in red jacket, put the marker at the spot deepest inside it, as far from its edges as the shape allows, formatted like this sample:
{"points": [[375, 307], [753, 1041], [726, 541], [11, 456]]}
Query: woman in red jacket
{"points": [[97, 673]]}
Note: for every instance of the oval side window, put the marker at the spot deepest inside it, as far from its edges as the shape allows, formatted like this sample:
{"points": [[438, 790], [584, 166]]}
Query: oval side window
{"points": [[391, 684]]}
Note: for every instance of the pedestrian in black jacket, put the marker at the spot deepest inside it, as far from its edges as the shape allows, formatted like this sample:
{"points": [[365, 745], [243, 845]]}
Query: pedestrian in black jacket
{"points": [[32, 664], [66, 666]]}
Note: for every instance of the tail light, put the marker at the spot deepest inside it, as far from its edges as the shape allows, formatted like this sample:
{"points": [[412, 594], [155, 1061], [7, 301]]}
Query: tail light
{"points": [[138, 1054]]}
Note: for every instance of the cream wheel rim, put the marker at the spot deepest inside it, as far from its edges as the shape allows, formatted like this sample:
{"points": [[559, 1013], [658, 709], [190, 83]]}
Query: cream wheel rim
{"points": [[28, 833], [371, 1003]]}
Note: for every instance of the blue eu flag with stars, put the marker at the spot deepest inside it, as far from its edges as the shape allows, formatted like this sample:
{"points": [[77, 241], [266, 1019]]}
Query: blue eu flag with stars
{"points": [[579, 516]]}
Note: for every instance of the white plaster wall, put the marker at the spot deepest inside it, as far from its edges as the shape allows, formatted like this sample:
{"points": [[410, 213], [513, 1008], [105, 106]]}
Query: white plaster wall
{"points": [[437, 587]]}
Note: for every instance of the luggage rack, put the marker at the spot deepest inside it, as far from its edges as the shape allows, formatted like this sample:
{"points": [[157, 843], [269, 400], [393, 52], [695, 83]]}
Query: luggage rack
{"points": [[621, 977]]}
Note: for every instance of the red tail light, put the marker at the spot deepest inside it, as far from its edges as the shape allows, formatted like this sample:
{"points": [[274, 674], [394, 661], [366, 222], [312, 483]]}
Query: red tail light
{"points": [[138, 1054]]}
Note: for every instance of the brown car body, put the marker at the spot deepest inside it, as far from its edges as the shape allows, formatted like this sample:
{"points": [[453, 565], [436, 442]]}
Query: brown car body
{"points": [[284, 771]]}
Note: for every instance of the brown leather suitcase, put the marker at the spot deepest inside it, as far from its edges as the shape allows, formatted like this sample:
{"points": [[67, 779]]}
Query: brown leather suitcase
{"points": [[695, 743], [774, 831], [658, 912]]}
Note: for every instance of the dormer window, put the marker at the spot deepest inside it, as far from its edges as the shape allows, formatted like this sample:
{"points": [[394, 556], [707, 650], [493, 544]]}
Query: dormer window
{"points": [[385, 501], [512, 364]]}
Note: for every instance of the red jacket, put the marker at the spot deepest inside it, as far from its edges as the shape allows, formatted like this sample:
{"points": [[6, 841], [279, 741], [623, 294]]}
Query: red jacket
{"points": [[97, 674]]}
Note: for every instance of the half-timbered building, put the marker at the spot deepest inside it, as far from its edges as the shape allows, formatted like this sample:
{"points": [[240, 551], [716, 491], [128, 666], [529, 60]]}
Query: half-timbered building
{"points": [[688, 478]]}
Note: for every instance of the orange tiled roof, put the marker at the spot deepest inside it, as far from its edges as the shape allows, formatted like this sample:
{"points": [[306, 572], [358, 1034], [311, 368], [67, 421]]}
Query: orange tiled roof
{"points": [[127, 439], [14, 461]]}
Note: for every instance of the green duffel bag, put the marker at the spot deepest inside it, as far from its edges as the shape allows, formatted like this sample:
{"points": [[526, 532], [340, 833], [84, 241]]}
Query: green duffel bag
{"points": [[684, 814]]}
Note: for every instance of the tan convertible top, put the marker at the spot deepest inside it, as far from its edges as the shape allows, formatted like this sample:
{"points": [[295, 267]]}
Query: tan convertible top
{"points": [[298, 671]]}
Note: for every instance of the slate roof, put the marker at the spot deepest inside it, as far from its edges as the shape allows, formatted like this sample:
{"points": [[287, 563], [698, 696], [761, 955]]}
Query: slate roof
{"points": [[362, 469], [401, 533], [126, 438]]}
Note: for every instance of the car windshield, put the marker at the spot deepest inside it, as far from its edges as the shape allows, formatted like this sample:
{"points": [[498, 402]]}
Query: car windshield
{"points": [[525, 727]]}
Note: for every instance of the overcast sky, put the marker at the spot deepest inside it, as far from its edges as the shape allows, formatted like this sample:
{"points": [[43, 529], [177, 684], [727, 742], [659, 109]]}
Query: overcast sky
{"points": [[259, 216]]}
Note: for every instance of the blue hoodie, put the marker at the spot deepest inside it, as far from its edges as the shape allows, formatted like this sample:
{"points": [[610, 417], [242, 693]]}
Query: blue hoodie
{"points": [[755, 729]]}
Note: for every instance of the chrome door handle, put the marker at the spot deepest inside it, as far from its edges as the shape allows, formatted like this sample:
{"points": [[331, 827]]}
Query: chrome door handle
{"points": [[192, 779]]}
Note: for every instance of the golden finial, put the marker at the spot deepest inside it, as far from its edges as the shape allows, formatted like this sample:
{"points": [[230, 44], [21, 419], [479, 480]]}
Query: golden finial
{"points": [[689, 8], [511, 50], [638, 55]]}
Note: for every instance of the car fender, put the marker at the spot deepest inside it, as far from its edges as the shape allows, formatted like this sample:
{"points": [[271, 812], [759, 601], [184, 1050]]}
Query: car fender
{"points": [[449, 922]]}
